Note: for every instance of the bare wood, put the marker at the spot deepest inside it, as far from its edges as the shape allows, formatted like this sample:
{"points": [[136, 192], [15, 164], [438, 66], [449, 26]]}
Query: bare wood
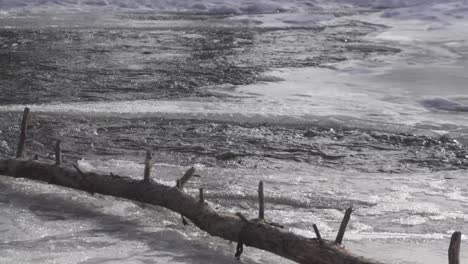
{"points": [[242, 217], [317, 232], [201, 196], [58, 153], [239, 250], [261, 201], [75, 166], [23, 134], [227, 226], [188, 174], [344, 224], [454, 248], [180, 184], [147, 173]]}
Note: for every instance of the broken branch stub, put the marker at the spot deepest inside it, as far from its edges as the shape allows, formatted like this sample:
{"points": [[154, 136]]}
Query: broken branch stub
{"points": [[180, 185], [344, 224], [317, 232], [147, 172], [201, 196], [454, 248], [188, 174], [261, 202], [23, 134], [58, 153]]}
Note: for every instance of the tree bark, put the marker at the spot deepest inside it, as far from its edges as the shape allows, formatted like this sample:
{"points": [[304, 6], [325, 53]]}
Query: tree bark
{"points": [[254, 233]]}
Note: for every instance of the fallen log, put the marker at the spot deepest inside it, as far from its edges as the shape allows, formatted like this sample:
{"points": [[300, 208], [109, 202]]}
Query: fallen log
{"points": [[257, 233], [254, 233]]}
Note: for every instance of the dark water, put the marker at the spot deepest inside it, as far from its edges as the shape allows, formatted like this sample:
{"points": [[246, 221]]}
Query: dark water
{"points": [[85, 60], [89, 60]]}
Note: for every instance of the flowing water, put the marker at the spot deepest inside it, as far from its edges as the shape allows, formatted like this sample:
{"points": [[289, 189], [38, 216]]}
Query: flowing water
{"points": [[331, 103]]}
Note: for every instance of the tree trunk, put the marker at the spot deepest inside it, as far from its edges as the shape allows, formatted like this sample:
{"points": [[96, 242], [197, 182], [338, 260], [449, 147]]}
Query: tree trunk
{"points": [[254, 233]]}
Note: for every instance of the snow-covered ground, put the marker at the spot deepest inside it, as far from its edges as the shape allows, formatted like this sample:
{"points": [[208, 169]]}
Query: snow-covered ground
{"points": [[402, 217]]}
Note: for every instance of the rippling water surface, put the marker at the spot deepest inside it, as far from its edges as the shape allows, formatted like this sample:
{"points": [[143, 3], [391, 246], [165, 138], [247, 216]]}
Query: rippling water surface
{"points": [[332, 105]]}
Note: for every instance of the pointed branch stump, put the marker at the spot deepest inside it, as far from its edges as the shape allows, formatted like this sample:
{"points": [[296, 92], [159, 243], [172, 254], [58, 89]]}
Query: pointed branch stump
{"points": [[180, 185], [147, 173], [317, 233], [188, 174], [240, 243], [201, 196], [58, 154], [23, 134], [77, 168], [344, 224], [242, 218], [261, 202], [454, 248]]}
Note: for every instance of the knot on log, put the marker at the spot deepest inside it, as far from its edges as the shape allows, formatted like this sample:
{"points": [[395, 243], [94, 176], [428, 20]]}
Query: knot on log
{"points": [[58, 153]]}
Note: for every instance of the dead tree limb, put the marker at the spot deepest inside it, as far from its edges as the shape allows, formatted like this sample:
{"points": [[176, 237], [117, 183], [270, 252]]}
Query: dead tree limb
{"points": [[227, 226], [23, 134]]}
